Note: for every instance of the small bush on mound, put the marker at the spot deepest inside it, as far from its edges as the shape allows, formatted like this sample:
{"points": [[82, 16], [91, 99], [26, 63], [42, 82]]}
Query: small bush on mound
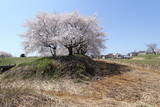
{"points": [[75, 67], [22, 55]]}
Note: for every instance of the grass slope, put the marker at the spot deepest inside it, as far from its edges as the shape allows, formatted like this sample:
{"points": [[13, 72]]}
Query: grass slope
{"points": [[77, 66]]}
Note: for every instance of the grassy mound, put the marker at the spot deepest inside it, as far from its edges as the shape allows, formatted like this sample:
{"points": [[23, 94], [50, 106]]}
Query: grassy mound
{"points": [[75, 67]]}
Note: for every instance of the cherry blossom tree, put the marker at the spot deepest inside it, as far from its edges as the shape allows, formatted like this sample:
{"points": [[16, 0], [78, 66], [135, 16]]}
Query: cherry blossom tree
{"points": [[81, 34], [50, 31], [42, 34], [152, 48]]}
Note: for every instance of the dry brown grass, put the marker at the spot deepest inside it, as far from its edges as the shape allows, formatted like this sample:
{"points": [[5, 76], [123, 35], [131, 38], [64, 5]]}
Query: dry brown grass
{"points": [[22, 97], [115, 87]]}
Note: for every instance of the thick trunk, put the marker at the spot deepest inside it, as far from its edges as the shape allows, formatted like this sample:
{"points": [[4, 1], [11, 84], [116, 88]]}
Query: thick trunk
{"points": [[70, 51], [78, 51]]}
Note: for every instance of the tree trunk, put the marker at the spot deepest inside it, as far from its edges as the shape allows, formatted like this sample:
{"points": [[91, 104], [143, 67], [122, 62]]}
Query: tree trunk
{"points": [[78, 51], [53, 51], [70, 50], [154, 52], [83, 52]]}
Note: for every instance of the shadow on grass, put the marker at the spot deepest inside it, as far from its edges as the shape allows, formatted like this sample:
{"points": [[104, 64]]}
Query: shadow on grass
{"points": [[105, 68]]}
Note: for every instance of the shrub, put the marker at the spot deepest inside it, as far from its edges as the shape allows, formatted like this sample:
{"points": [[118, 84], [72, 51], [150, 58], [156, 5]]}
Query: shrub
{"points": [[22, 55]]}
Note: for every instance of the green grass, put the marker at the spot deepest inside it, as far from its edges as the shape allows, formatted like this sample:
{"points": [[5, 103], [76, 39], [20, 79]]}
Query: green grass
{"points": [[40, 63], [16, 60], [149, 59], [149, 56]]}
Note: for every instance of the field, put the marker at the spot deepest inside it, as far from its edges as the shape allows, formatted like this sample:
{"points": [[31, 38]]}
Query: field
{"points": [[150, 61], [114, 83], [143, 59]]}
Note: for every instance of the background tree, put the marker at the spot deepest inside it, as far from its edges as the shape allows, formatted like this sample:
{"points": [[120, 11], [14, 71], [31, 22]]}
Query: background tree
{"points": [[152, 48], [22, 55], [5, 54]]}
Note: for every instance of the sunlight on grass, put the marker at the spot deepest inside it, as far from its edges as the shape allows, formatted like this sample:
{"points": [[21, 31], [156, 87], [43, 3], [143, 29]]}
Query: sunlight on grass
{"points": [[7, 61]]}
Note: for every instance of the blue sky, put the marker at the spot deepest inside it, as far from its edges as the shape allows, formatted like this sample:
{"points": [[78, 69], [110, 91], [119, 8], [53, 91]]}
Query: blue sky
{"points": [[129, 24]]}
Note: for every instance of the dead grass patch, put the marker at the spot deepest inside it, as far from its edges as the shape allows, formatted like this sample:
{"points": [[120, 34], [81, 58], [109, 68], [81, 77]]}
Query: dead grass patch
{"points": [[20, 97]]}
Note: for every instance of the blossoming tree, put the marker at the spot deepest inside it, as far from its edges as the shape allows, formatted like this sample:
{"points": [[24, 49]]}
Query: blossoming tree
{"points": [[51, 31]]}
